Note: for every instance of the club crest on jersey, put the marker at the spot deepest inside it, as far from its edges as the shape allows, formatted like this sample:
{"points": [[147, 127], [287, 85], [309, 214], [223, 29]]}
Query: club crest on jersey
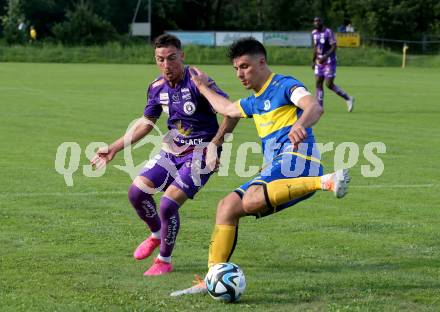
{"points": [[175, 97], [189, 108], [266, 105]]}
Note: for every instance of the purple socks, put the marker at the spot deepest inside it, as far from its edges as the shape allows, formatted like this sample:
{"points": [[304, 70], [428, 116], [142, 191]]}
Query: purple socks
{"points": [[339, 92], [320, 95], [169, 214], [168, 223], [334, 88], [145, 207]]}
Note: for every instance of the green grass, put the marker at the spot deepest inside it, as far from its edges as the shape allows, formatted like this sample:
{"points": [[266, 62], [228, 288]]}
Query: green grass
{"points": [[69, 248], [142, 53]]}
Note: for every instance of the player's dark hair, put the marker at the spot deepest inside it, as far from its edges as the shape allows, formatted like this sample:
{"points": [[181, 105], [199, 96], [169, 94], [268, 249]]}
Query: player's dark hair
{"points": [[319, 18], [246, 45], [167, 40]]}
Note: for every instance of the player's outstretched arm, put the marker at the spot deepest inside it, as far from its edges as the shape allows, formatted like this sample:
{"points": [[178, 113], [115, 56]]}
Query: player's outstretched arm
{"points": [[312, 111], [220, 104], [140, 129]]}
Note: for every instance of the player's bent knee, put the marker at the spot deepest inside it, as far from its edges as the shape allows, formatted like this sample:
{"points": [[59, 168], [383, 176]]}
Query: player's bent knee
{"points": [[225, 207], [250, 206], [135, 194], [228, 209]]}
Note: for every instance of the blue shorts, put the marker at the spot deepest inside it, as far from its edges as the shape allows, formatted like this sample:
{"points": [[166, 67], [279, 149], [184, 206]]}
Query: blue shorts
{"points": [[284, 166]]}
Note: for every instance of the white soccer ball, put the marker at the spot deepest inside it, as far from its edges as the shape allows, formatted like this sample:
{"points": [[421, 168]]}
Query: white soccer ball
{"points": [[225, 282]]}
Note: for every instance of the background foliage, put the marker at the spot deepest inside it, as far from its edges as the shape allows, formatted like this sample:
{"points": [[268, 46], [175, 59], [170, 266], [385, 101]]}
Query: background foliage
{"points": [[407, 19]]}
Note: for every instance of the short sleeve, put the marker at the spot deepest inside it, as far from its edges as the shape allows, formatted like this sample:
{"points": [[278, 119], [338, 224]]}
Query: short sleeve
{"points": [[245, 107], [294, 90], [153, 107]]}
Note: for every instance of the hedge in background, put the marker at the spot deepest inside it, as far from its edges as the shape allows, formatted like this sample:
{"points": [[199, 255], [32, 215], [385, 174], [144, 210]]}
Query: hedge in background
{"points": [[144, 54]]}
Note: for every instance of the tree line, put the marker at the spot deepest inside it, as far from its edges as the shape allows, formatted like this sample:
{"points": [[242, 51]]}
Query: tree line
{"points": [[98, 21]]}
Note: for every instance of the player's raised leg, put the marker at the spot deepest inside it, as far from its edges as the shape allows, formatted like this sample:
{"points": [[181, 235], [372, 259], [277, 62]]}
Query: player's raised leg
{"points": [[259, 198], [282, 191]]}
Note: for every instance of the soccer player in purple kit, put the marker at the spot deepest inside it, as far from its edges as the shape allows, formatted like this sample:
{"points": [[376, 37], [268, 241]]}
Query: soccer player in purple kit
{"points": [[192, 123], [324, 62]]}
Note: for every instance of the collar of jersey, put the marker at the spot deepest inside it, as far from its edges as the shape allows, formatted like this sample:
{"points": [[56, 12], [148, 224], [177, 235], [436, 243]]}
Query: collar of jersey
{"points": [[266, 84]]}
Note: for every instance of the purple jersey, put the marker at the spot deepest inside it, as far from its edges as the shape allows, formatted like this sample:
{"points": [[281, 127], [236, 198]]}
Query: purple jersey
{"points": [[323, 40], [191, 119]]}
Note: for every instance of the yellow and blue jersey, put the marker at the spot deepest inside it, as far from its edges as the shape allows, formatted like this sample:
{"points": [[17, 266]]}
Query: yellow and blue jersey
{"points": [[274, 114]]}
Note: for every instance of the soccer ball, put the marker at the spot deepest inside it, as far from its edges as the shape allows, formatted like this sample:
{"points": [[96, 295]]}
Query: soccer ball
{"points": [[225, 282]]}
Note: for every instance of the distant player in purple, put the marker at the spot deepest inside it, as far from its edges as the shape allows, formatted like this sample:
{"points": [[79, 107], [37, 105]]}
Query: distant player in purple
{"points": [[324, 62], [180, 169]]}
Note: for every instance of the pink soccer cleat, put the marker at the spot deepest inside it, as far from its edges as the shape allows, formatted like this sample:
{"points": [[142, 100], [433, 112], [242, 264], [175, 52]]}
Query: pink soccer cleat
{"points": [[146, 248], [159, 267]]}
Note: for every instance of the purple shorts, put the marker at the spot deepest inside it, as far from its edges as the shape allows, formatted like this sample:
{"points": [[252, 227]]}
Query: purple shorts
{"points": [[325, 70], [187, 172]]}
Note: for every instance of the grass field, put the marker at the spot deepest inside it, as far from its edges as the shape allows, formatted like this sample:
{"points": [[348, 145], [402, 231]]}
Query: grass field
{"points": [[69, 248]]}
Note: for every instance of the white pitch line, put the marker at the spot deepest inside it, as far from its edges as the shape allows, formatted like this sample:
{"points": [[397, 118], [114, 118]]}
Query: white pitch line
{"points": [[63, 194], [394, 186], [80, 193], [388, 186]]}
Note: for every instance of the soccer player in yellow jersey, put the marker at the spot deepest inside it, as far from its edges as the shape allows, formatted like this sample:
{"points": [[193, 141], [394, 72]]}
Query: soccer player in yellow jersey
{"points": [[284, 112]]}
